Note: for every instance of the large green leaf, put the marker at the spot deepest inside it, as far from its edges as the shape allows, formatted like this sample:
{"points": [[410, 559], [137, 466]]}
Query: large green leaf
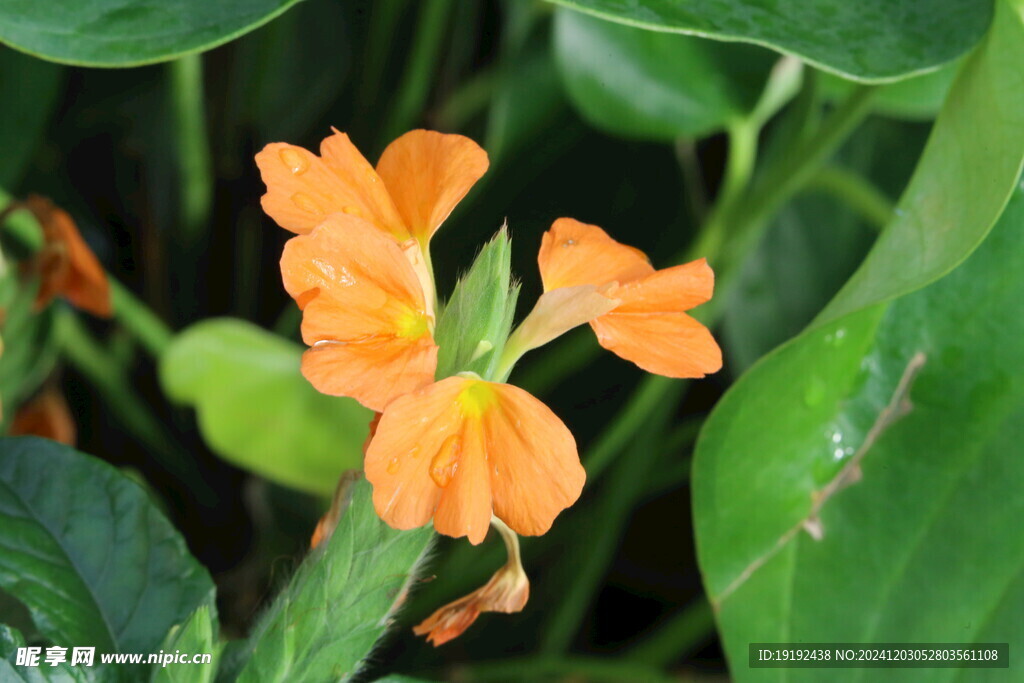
{"points": [[813, 245], [775, 453], [654, 85], [340, 600], [117, 33], [867, 40], [257, 411], [86, 551], [963, 180], [916, 513]]}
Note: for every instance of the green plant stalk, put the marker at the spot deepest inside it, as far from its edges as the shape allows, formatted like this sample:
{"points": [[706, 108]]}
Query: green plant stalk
{"points": [[679, 636], [855, 191], [195, 167], [419, 70], [129, 311], [102, 370], [469, 99]]}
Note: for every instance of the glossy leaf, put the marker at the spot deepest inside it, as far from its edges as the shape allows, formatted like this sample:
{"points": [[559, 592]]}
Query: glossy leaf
{"points": [[116, 33], [84, 549], [869, 40], [770, 460], [257, 411], [813, 245], [475, 322], [919, 542], [652, 85], [964, 178], [340, 601]]}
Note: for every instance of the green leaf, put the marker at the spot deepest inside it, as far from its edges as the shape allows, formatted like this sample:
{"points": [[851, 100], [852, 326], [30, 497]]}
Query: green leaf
{"points": [[770, 460], [119, 33], [29, 350], [813, 245], [257, 411], [870, 40], [11, 639], [29, 89], [964, 178], [919, 515], [916, 99], [475, 323], [657, 86], [84, 549], [340, 601], [197, 635]]}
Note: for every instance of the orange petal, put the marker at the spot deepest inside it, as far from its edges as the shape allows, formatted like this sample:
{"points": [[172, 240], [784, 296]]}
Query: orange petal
{"points": [[650, 328], [574, 253], [669, 344], [372, 371], [302, 188], [363, 312], [679, 288], [453, 446], [411, 432], [535, 468], [47, 415], [507, 591], [427, 174], [67, 265]]}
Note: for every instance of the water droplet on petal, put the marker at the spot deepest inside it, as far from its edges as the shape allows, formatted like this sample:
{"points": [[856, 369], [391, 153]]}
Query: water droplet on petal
{"points": [[393, 465], [353, 211], [415, 452], [569, 243], [446, 462], [296, 161], [306, 203]]}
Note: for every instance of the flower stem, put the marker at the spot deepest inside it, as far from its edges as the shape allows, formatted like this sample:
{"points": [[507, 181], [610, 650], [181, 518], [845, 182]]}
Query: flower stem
{"points": [[195, 168]]}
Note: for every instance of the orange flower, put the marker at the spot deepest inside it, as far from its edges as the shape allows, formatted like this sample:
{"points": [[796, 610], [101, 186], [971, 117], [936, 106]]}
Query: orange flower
{"points": [[649, 326], [507, 591], [418, 181], [463, 448], [364, 313], [65, 264], [46, 415]]}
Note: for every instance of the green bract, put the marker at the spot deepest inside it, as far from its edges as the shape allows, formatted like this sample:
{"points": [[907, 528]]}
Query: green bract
{"points": [[476, 321]]}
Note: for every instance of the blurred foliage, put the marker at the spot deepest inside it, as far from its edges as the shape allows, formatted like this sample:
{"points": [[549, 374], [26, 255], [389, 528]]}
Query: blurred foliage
{"points": [[737, 130]]}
